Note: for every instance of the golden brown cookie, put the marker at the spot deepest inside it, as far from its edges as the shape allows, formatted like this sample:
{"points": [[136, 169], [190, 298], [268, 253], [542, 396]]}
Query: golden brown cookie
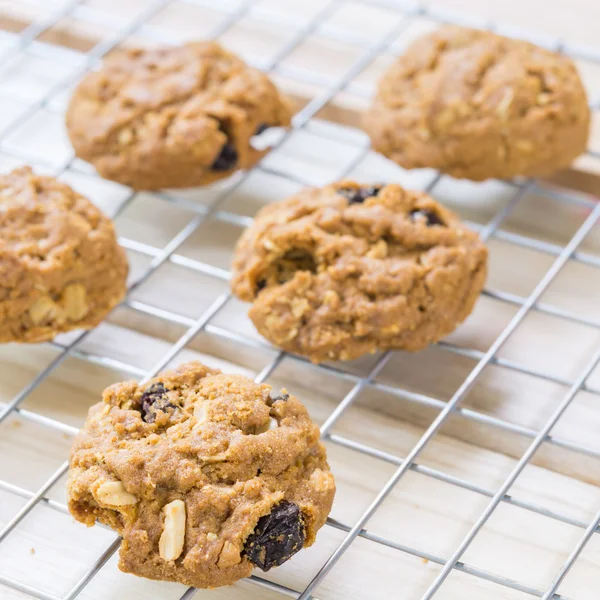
{"points": [[60, 265], [341, 271], [173, 117], [476, 105], [205, 475]]}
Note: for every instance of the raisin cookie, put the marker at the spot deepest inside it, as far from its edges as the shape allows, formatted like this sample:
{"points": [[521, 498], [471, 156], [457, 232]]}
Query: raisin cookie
{"points": [[173, 117], [60, 265], [205, 475], [337, 272], [476, 105]]}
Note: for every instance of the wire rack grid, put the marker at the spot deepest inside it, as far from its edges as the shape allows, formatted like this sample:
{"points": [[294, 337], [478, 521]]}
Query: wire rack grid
{"points": [[400, 16]]}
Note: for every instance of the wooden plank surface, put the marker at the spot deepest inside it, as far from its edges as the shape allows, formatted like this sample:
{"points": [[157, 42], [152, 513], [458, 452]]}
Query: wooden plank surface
{"points": [[422, 512]]}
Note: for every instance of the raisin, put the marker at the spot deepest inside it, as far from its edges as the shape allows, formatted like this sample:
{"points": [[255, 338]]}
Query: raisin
{"points": [[227, 158], [276, 537], [154, 399], [281, 397], [261, 128], [359, 195], [429, 216], [261, 284]]}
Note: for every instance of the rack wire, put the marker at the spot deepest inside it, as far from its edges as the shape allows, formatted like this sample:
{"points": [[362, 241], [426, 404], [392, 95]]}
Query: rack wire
{"points": [[401, 13]]}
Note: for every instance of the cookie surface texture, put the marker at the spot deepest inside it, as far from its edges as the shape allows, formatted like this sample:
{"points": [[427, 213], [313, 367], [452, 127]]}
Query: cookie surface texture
{"points": [[476, 105], [173, 117], [205, 475], [60, 265], [348, 269]]}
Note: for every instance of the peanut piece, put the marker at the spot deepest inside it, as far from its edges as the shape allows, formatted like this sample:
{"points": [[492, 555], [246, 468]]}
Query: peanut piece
{"points": [[269, 245], [331, 298], [379, 250], [292, 334], [170, 545], [543, 99], [503, 107], [45, 309], [321, 480], [299, 306], [201, 414], [125, 137], [524, 146], [115, 494], [74, 302], [391, 329]]}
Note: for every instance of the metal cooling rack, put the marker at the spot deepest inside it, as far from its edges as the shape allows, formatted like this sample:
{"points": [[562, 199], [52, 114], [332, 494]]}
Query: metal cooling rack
{"points": [[26, 42]]}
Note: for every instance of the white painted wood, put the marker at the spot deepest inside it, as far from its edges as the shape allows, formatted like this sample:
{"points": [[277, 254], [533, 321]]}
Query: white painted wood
{"points": [[421, 512]]}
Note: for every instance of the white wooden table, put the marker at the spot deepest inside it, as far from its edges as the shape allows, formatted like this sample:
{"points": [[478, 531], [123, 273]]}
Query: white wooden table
{"points": [[439, 499]]}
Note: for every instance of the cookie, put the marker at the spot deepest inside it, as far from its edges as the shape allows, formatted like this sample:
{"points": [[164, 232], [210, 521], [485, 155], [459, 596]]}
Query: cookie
{"points": [[476, 105], [173, 117], [60, 265], [345, 270], [205, 475]]}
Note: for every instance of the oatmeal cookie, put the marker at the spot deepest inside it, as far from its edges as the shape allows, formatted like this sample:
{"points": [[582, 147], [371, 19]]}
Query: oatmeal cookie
{"points": [[173, 117], [60, 265], [476, 105], [337, 272], [205, 475]]}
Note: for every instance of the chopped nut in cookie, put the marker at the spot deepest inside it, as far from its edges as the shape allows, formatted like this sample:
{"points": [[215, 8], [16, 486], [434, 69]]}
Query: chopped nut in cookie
{"points": [[170, 545], [74, 301], [114, 494], [45, 310]]}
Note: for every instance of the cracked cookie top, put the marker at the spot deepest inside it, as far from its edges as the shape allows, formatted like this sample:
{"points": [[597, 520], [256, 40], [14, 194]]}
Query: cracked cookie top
{"points": [[60, 265], [204, 474], [173, 117], [337, 272], [477, 105]]}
